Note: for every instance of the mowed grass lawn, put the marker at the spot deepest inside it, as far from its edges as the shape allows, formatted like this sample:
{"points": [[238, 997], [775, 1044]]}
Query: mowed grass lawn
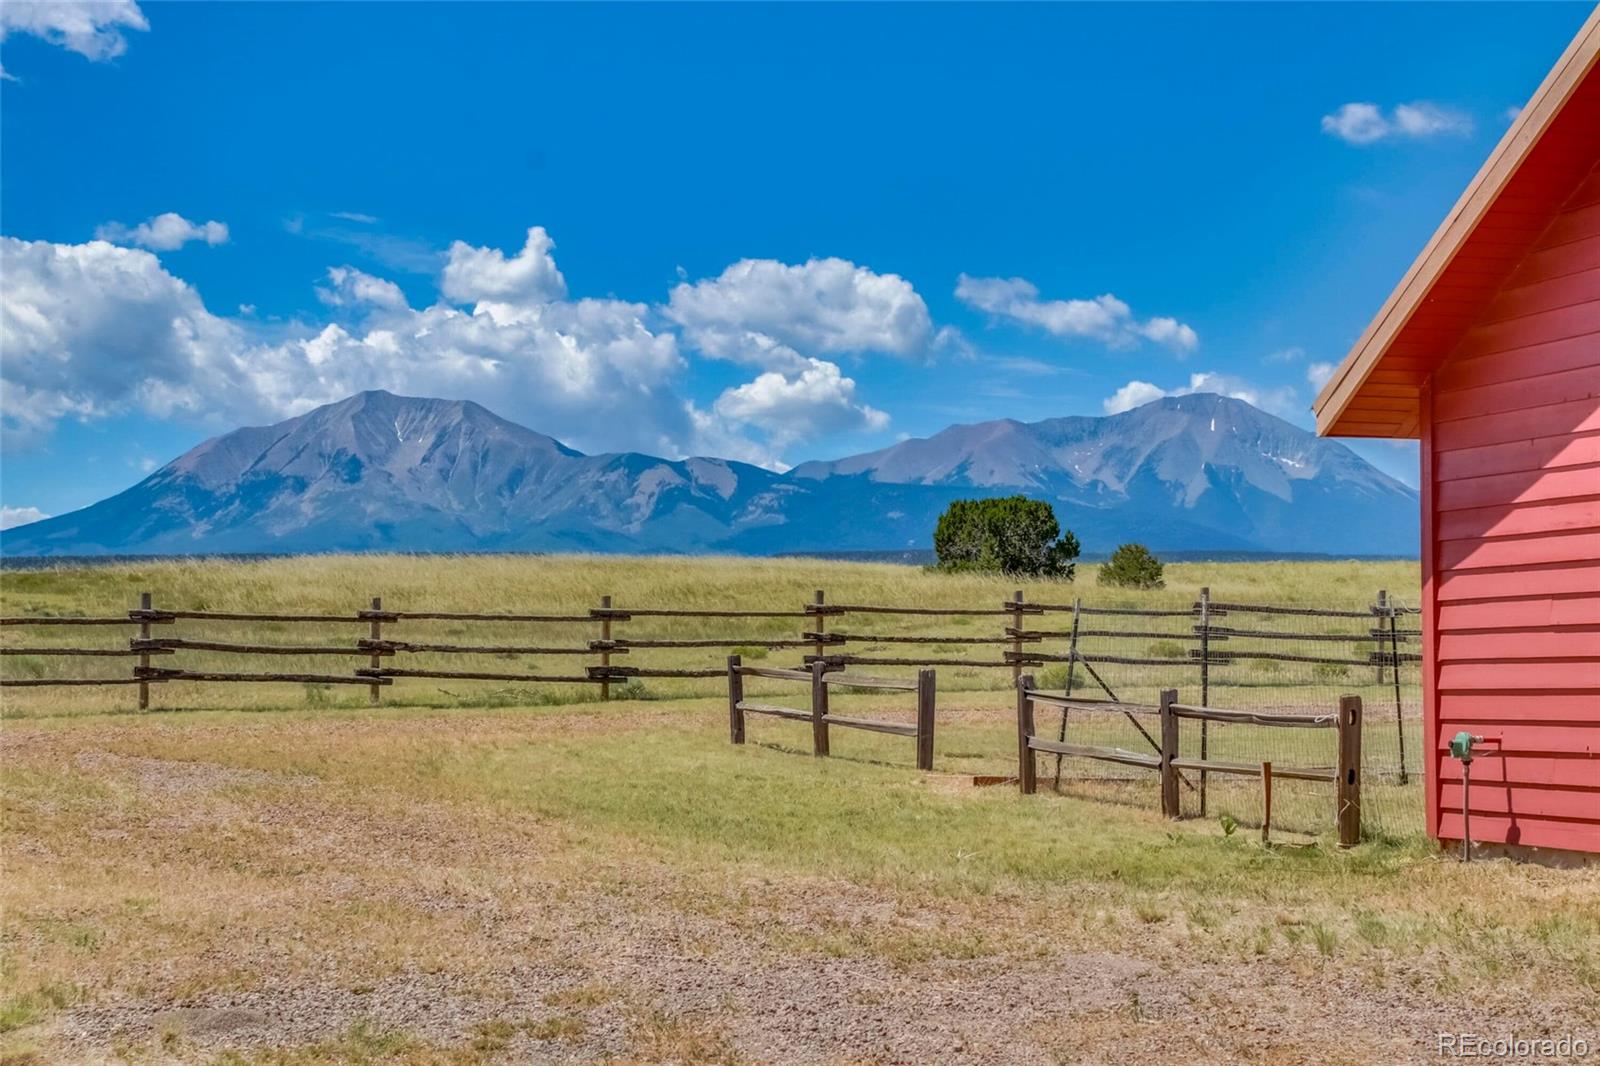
{"points": [[294, 883]]}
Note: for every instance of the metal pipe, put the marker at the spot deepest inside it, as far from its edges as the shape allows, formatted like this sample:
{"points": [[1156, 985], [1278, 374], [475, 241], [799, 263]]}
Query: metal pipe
{"points": [[1461, 746]]}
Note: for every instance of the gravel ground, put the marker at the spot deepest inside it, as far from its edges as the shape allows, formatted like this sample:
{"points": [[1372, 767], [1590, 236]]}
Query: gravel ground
{"points": [[1062, 1006], [602, 957]]}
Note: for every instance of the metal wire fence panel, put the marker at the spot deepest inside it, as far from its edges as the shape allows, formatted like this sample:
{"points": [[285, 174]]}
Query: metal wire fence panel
{"points": [[1235, 796], [1132, 732], [1270, 658]]}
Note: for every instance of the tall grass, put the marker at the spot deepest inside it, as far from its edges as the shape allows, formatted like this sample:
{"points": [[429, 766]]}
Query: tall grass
{"points": [[570, 584]]}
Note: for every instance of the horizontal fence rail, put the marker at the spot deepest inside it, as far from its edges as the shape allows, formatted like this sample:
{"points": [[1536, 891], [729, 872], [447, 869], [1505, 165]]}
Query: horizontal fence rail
{"points": [[385, 644], [820, 715], [612, 649], [1165, 760], [1029, 741]]}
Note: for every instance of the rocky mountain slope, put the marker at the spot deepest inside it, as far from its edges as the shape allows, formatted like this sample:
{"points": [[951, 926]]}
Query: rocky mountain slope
{"points": [[383, 472]]}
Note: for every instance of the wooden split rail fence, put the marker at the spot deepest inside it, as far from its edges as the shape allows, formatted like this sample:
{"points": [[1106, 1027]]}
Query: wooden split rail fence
{"points": [[1215, 628], [821, 716], [1165, 758], [381, 647], [826, 634]]}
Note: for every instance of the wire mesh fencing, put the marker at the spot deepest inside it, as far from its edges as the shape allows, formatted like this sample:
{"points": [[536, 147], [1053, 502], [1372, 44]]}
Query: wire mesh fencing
{"points": [[1089, 730], [1296, 764], [1250, 657]]}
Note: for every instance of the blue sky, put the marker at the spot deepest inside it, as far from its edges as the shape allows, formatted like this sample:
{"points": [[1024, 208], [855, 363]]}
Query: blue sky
{"points": [[767, 232]]}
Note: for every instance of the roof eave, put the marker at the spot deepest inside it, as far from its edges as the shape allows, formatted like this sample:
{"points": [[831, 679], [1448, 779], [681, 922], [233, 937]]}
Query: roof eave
{"points": [[1454, 232]]}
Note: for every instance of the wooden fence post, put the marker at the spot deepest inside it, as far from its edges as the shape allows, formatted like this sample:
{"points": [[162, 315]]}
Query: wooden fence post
{"points": [[735, 696], [1205, 686], [1349, 769], [1399, 703], [1027, 779], [1266, 803], [1016, 636], [605, 635], [820, 625], [144, 657], [1382, 611], [925, 696], [819, 708], [376, 632], [1169, 752]]}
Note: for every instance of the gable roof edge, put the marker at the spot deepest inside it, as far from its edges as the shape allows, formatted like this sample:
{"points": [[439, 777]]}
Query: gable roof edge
{"points": [[1474, 203]]}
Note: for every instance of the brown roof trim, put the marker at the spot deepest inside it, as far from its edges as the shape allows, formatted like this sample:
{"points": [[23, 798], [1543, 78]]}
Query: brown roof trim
{"points": [[1558, 86]]}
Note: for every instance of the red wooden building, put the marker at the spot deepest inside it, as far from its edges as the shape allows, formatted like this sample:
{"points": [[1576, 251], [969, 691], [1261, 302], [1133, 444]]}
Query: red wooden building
{"points": [[1489, 351]]}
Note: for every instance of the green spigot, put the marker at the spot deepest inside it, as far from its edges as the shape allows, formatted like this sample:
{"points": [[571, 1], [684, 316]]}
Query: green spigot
{"points": [[1461, 748], [1461, 745]]}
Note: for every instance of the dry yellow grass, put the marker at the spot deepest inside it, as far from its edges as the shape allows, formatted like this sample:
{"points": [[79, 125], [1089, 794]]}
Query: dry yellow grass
{"points": [[529, 884], [570, 585], [247, 880]]}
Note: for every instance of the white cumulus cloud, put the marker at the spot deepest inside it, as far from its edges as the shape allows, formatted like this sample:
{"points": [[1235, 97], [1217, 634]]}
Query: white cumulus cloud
{"points": [[20, 516], [1133, 394], [791, 407], [90, 329], [91, 28], [1104, 318], [1279, 400], [1367, 123], [97, 329], [164, 233], [1317, 374], [776, 315], [485, 275]]}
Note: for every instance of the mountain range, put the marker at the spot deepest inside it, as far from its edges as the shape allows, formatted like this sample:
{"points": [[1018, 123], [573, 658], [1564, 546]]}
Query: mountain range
{"points": [[377, 471]]}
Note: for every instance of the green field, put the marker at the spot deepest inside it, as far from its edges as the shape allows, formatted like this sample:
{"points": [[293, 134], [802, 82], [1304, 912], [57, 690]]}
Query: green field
{"points": [[477, 873]]}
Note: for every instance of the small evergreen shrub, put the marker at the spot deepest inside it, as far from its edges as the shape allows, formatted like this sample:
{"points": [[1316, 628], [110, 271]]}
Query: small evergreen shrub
{"points": [[1132, 567]]}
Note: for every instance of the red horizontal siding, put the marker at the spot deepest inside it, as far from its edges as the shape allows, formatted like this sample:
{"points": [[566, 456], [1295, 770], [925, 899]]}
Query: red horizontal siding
{"points": [[1498, 644], [1518, 675], [1513, 514], [1569, 353], [1542, 390], [1557, 292], [1480, 554], [1579, 834], [1515, 519], [1574, 416], [1522, 799], [1526, 769], [1545, 739], [1573, 321], [1523, 486], [1543, 611], [1574, 224], [1540, 453], [1549, 705], [1549, 263], [1518, 581]]}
